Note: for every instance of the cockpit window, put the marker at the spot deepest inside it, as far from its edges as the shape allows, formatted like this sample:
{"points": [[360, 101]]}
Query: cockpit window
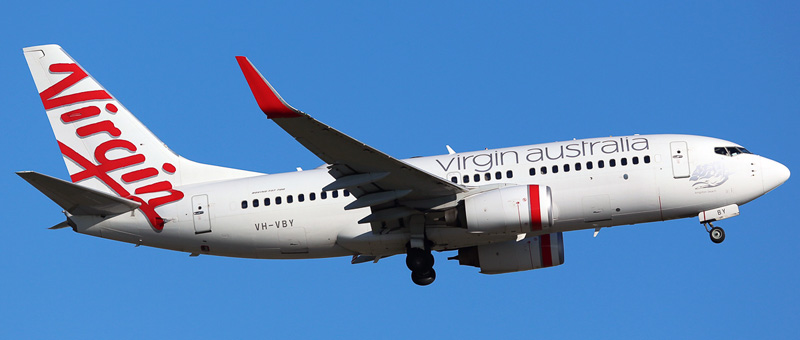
{"points": [[730, 151]]}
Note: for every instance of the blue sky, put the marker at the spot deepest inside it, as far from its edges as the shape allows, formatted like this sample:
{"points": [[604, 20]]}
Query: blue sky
{"points": [[409, 79]]}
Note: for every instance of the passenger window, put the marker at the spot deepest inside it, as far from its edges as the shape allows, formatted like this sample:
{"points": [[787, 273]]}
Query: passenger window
{"points": [[289, 199], [323, 195], [646, 159], [244, 204], [346, 193], [255, 203], [601, 164], [577, 166], [466, 178], [566, 167], [278, 200], [301, 198], [454, 179], [335, 193], [635, 160], [623, 161], [312, 196], [543, 170], [498, 175], [477, 178], [612, 162], [589, 165], [509, 174], [487, 176], [555, 169], [532, 171], [266, 202]]}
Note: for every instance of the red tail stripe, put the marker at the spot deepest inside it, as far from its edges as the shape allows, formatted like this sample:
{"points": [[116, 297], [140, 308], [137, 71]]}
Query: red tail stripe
{"points": [[104, 126], [82, 113], [76, 75], [155, 187], [90, 170], [139, 175], [148, 208]]}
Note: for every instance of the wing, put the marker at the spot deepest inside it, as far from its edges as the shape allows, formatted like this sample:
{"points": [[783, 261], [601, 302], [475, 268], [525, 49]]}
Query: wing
{"points": [[390, 187]]}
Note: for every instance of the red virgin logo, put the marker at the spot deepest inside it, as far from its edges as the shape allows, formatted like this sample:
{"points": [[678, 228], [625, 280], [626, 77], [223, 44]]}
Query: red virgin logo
{"points": [[84, 128]]}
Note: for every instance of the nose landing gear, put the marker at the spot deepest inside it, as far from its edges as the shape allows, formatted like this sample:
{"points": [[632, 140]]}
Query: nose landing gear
{"points": [[716, 233]]}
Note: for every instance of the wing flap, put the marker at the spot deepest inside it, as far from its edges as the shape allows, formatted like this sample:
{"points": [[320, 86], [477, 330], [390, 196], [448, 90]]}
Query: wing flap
{"points": [[77, 199]]}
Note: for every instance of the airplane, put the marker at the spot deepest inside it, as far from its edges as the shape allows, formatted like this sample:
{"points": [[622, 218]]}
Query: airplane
{"points": [[501, 210]]}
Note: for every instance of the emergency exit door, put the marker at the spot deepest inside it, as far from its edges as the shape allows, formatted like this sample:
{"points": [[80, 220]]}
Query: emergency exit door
{"points": [[680, 159], [200, 214]]}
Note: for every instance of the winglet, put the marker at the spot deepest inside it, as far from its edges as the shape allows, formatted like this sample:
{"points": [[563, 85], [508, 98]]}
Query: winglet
{"points": [[268, 99]]}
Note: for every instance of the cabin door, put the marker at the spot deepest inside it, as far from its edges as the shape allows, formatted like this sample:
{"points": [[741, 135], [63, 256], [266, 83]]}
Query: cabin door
{"points": [[200, 214], [680, 159]]}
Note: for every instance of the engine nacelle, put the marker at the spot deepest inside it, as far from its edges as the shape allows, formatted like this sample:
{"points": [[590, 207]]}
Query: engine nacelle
{"points": [[510, 210], [514, 256]]}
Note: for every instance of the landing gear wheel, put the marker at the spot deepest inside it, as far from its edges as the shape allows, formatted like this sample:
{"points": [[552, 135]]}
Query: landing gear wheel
{"points": [[423, 278], [717, 235], [419, 260]]}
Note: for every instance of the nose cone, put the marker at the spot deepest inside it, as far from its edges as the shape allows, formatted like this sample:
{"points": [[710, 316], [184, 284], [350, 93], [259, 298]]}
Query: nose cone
{"points": [[774, 174]]}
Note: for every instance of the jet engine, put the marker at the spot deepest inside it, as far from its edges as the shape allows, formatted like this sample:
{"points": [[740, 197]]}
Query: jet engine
{"points": [[510, 210], [514, 256]]}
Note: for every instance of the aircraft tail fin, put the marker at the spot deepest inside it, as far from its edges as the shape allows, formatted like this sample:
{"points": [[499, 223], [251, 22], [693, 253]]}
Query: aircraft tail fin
{"points": [[76, 199], [96, 134], [104, 146]]}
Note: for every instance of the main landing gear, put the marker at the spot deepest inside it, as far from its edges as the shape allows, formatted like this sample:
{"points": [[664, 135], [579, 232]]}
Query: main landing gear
{"points": [[419, 258], [716, 233], [420, 261]]}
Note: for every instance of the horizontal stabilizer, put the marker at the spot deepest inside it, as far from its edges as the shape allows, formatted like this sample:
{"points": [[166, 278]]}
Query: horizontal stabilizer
{"points": [[76, 199]]}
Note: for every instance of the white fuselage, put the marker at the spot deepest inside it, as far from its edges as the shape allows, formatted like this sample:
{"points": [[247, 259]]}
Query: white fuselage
{"points": [[633, 179]]}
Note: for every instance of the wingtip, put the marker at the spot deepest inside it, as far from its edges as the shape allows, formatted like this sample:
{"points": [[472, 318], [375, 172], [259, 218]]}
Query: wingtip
{"points": [[268, 99], [25, 174]]}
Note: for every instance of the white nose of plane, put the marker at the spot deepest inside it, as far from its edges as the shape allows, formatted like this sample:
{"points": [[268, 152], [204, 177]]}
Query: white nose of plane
{"points": [[773, 174]]}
